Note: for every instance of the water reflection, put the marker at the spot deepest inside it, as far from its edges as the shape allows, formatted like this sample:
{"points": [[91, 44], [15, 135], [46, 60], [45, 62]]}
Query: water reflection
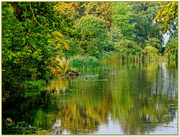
{"points": [[141, 98], [142, 102]]}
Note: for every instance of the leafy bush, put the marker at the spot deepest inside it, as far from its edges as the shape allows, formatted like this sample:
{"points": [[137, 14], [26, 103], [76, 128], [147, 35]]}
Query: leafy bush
{"points": [[171, 50], [36, 84], [114, 36], [153, 42], [90, 62], [74, 48], [149, 50], [128, 47]]}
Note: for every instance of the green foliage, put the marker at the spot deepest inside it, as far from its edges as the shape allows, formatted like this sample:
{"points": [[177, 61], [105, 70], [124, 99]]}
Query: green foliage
{"points": [[154, 42], [47, 75], [114, 36], [36, 84], [102, 10], [29, 42], [167, 14], [35, 33], [122, 18], [128, 47], [94, 34], [83, 62], [75, 47], [149, 50], [135, 21], [171, 50], [144, 28]]}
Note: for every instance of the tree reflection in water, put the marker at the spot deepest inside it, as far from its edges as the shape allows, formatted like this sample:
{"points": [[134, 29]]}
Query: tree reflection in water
{"points": [[140, 97], [142, 108], [78, 119]]}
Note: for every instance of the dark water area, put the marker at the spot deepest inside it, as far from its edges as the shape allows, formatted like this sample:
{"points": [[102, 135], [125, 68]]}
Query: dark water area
{"points": [[116, 98]]}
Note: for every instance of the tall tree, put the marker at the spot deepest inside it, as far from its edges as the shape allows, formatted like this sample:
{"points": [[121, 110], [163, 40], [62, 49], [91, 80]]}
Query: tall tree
{"points": [[30, 42], [100, 9], [144, 29], [122, 16], [94, 34]]}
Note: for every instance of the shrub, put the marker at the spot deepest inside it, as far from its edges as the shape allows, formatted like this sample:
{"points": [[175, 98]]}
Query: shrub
{"points": [[171, 50], [153, 42], [151, 53], [36, 84], [127, 47], [61, 66], [149, 50]]}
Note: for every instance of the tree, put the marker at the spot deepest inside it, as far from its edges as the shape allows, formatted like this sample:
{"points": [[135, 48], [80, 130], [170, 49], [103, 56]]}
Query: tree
{"points": [[101, 10], [167, 14], [128, 47], [94, 34], [30, 42], [122, 16], [154, 43], [149, 50], [114, 35], [171, 50], [144, 29]]}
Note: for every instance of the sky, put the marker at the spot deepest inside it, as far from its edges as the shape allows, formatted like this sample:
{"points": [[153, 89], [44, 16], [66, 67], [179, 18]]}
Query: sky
{"points": [[166, 38]]}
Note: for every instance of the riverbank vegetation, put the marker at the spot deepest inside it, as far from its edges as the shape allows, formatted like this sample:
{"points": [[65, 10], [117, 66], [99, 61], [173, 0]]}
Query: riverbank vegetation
{"points": [[45, 39]]}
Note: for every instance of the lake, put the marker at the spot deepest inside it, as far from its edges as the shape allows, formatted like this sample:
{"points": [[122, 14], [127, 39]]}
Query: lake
{"points": [[115, 98]]}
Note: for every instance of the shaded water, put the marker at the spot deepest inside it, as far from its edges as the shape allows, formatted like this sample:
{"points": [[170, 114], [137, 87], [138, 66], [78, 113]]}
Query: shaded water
{"points": [[117, 98]]}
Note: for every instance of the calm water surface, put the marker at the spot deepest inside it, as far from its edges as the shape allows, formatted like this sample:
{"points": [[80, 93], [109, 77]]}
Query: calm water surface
{"points": [[116, 98]]}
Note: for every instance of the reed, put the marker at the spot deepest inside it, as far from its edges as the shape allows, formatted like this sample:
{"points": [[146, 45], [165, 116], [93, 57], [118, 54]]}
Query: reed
{"points": [[83, 62], [117, 56]]}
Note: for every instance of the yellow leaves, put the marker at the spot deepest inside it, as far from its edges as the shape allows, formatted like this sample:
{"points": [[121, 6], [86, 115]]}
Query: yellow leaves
{"points": [[169, 4], [57, 33], [62, 7], [168, 12], [99, 9], [42, 132], [66, 45], [57, 40], [67, 8], [9, 121]]}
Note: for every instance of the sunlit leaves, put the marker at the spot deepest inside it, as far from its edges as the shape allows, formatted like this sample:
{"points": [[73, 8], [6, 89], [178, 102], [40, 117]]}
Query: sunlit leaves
{"points": [[150, 50], [167, 14], [57, 40], [26, 47], [64, 8], [100, 9]]}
